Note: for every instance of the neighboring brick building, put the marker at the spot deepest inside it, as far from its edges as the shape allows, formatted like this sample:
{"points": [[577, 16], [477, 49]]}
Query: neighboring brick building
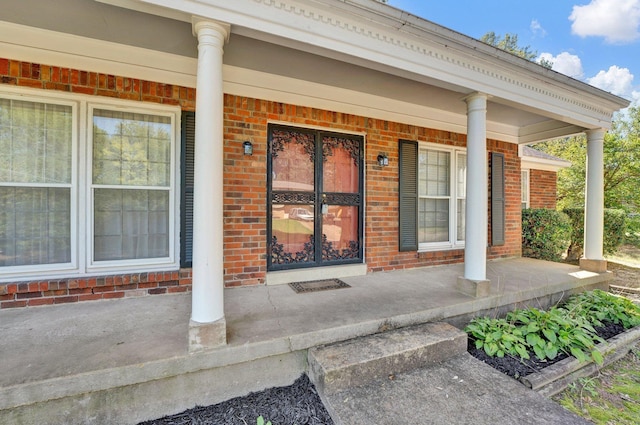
{"points": [[539, 178], [329, 139]]}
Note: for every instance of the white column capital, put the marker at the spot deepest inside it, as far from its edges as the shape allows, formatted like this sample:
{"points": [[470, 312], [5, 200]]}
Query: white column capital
{"points": [[476, 101], [209, 31], [596, 134]]}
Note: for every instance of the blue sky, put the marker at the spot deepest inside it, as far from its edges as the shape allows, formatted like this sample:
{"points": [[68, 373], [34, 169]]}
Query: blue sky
{"points": [[595, 41]]}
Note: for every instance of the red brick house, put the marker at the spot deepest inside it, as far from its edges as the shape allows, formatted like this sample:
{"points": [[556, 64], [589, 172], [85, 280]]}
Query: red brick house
{"points": [[161, 146], [539, 178]]}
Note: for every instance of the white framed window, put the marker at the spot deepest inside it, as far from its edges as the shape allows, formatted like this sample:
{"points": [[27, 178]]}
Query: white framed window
{"points": [[86, 185], [525, 188], [442, 174]]}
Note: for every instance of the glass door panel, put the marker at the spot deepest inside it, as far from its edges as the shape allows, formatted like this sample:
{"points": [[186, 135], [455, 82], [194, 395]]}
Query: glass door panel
{"points": [[314, 191]]}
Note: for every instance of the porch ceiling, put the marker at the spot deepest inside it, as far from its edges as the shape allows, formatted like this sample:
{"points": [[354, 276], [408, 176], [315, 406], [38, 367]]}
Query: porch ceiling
{"points": [[418, 73]]}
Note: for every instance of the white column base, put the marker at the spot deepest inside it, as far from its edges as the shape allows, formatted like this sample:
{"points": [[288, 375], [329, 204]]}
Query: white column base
{"points": [[206, 336], [596, 266], [474, 288]]}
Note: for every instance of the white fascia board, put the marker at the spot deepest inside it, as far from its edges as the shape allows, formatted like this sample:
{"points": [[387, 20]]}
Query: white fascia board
{"points": [[416, 47], [529, 162]]}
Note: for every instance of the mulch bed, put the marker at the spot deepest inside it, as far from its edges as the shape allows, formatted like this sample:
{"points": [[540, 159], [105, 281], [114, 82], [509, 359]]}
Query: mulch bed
{"points": [[297, 404], [517, 368]]}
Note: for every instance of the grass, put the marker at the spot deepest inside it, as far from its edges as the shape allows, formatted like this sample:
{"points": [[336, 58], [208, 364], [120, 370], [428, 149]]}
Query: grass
{"points": [[628, 255], [611, 397]]}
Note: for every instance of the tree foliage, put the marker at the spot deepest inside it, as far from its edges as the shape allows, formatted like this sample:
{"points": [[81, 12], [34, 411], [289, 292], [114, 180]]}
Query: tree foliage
{"points": [[509, 43], [621, 170]]}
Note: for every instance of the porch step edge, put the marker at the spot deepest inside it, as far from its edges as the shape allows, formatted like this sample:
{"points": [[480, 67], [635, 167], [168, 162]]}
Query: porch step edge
{"points": [[359, 361]]}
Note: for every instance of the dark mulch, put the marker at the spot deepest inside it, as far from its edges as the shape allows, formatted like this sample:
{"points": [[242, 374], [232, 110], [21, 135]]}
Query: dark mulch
{"points": [[296, 404], [516, 367]]}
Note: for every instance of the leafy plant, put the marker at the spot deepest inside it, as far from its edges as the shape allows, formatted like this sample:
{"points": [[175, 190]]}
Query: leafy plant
{"points": [[260, 421], [565, 329], [600, 306], [545, 234], [497, 337], [557, 330]]}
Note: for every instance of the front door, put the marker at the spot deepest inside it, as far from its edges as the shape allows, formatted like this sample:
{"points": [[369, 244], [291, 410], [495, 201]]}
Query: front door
{"points": [[315, 198]]}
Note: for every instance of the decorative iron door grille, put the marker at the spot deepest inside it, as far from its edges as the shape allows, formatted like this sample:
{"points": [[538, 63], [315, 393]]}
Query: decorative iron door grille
{"points": [[315, 198]]}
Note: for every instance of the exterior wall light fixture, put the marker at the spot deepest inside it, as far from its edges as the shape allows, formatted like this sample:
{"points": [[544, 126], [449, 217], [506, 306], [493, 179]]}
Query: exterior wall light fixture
{"points": [[383, 160], [248, 148]]}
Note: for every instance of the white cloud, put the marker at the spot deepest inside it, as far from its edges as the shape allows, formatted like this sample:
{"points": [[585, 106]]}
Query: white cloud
{"points": [[618, 81], [565, 63], [537, 29], [618, 21]]}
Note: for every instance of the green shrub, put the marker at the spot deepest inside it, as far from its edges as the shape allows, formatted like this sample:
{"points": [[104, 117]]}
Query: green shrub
{"points": [[632, 229], [614, 230], [545, 234]]}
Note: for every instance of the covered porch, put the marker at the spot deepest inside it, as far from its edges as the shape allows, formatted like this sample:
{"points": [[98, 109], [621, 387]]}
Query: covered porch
{"points": [[126, 361]]}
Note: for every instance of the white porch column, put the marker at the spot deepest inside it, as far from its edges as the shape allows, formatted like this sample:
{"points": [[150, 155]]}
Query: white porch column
{"points": [[593, 259], [474, 282], [207, 328]]}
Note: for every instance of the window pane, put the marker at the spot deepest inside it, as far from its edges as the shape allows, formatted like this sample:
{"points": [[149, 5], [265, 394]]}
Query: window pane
{"points": [[341, 157], [434, 167], [35, 226], [461, 219], [292, 159], [461, 176], [340, 233], [130, 224], [292, 239], [35, 142], [131, 149], [433, 220], [524, 188]]}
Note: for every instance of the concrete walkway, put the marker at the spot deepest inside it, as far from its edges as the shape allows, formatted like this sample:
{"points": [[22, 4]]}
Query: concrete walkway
{"points": [[133, 352], [462, 390]]}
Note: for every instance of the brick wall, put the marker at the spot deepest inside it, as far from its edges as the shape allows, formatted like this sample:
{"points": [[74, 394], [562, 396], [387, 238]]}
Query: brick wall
{"points": [[60, 291], [245, 187], [245, 204], [542, 189]]}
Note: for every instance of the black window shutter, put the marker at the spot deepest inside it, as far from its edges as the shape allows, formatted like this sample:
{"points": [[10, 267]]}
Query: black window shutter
{"points": [[408, 221], [186, 184], [497, 199]]}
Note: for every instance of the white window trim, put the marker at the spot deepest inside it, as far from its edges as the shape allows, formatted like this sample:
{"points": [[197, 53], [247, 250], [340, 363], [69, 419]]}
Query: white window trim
{"points": [[526, 181], [81, 202], [454, 242]]}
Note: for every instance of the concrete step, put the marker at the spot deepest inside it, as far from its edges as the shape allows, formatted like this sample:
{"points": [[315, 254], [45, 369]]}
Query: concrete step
{"points": [[357, 362]]}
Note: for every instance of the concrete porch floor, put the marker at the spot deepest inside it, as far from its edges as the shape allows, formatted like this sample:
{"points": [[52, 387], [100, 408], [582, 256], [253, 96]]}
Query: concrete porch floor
{"points": [[125, 361]]}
